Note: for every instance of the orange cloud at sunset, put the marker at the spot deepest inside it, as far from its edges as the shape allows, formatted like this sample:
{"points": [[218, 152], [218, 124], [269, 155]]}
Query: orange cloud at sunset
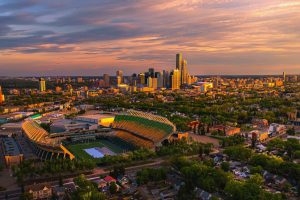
{"points": [[217, 37]]}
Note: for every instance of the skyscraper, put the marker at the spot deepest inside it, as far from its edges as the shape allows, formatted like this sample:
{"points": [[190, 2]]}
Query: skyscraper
{"points": [[178, 61], [119, 80], [175, 79], [120, 74], [160, 79], [283, 76], [166, 79], [42, 85], [154, 83], [184, 72], [149, 82], [151, 72], [181, 65], [106, 79], [141, 78]]}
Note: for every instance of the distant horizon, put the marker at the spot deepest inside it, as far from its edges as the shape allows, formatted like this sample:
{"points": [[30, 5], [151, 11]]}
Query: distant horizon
{"points": [[125, 75]]}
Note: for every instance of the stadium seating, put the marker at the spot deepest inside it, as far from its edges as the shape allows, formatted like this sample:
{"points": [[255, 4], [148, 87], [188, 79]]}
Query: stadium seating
{"points": [[136, 141], [144, 126]]}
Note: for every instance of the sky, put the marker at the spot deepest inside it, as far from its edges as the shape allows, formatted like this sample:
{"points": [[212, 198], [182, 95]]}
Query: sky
{"points": [[92, 37]]}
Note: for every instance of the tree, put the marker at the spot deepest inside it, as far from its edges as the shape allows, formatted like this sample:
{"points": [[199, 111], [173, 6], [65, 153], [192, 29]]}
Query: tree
{"points": [[238, 153], [291, 131], [256, 169], [250, 189], [225, 166], [207, 148], [201, 151], [113, 188], [253, 140], [26, 196], [98, 196], [186, 193], [146, 175], [292, 145], [256, 179], [118, 170], [233, 140], [81, 112], [61, 182], [86, 190], [234, 190]]}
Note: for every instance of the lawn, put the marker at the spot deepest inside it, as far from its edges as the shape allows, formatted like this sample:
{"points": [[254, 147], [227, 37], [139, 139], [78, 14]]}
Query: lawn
{"points": [[78, 149]]}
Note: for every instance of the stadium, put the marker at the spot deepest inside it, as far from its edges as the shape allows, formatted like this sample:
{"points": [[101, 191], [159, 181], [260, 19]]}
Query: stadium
{"points": [[129, 130]]}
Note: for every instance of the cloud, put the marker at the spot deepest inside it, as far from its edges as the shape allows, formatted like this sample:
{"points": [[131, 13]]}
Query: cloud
{"points": [[211, 33], [16, 5]]}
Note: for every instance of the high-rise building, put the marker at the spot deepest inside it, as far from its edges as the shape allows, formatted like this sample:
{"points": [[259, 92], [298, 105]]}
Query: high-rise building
{"points": [[151, 72], [178, 61], [2, 99], [181, 65], [120, 74], [175, 79], [166, 79], [154, 83], [119, 80], [106, 79], [283, 76], [146, 77], [133, 79], [42, 85], [160, 79], [184, 72], [141, 79], [149, 82]]}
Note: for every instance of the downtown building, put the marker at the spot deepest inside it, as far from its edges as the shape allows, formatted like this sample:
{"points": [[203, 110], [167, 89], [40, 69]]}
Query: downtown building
{"points": [[42, 85], [181, 66]]}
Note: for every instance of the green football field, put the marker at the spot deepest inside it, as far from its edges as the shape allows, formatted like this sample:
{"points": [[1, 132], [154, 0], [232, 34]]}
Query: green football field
{"points": [[78, 149]]}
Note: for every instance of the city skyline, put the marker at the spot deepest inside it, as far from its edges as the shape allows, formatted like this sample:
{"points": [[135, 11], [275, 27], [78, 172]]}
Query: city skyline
{"points": [[224, 37]]}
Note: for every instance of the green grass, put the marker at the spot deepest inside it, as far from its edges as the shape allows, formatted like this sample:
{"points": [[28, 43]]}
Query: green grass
{"points": [[78, 149]]}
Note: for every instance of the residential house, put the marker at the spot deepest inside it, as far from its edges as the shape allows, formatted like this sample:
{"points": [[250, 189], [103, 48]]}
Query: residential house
{"points": [[40, 191]]}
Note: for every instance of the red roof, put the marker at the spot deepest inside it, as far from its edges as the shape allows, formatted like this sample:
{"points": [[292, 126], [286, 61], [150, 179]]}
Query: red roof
{"points": [[109, 179]]}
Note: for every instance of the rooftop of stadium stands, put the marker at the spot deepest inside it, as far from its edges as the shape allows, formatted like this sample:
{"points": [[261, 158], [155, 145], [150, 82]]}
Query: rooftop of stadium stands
{"points": [[147, 119], [38, 134], [96, 116]]}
